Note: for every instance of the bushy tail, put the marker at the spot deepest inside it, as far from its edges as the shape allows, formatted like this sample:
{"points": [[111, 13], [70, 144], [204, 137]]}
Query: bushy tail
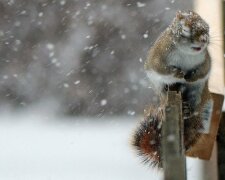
{"points": [[147, 137]]}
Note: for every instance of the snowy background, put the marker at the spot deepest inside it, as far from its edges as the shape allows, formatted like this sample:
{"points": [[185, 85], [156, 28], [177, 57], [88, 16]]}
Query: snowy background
{"points": [[86, 55], [72, 87]]}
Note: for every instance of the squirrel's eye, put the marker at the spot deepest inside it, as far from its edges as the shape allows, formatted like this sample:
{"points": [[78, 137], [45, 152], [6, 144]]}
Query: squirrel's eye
{"points": [[186, 33]]}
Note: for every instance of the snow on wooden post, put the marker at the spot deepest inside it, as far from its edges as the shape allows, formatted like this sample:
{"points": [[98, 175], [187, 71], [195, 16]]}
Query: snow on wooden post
{"points": [[174, 161]]}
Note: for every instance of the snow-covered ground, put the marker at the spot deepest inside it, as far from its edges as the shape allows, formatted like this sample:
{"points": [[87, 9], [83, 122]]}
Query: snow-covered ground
{"points": [[36, 145]]}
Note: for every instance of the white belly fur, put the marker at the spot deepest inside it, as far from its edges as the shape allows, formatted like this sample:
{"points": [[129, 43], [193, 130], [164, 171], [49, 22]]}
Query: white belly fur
{"points": [[184, 61], [158, 81]]}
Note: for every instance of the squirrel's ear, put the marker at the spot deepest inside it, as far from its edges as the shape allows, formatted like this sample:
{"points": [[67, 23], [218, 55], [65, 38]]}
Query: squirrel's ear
{"points": [[179, 15]]}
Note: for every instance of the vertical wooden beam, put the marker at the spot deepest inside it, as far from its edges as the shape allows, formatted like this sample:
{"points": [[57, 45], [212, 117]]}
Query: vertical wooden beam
{"points": [[221, 149], [221, 133], [174, 163]]}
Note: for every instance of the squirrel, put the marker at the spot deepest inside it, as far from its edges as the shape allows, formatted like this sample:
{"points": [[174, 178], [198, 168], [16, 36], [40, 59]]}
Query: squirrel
{"points": [[179, 59]]}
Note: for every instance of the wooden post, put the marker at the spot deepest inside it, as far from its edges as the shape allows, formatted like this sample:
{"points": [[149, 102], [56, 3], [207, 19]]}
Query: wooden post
{"points": [[221, 149], [174, 162], [221, 134]]}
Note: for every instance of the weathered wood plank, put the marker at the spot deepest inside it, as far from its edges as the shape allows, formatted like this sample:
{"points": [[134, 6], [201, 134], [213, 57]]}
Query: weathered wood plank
{"points": [[172, 142]]}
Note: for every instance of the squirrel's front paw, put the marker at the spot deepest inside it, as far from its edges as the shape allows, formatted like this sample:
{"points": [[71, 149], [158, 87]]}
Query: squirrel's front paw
{"points": [[191, 76], [178, 73]]}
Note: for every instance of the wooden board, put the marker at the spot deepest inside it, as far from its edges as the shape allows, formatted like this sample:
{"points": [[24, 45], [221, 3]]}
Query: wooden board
{"points": [[203, 149]]}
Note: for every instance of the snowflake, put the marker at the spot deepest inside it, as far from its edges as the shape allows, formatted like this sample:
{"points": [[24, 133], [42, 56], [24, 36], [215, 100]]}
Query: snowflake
{"points": [[103, 102], [40, 14], [145, 35], [50, 46], [132, 113], [66, 85], [62, 2], [123, 36], [167, 8], [139, 4], [77, 82]]}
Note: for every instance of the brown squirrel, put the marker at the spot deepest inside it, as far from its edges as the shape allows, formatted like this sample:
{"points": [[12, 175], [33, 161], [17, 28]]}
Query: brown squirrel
{"points": [[178, 59]]}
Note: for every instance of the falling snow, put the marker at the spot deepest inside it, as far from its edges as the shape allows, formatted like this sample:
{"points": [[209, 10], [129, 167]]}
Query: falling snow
{"points": [[62, 2], [17, 24], [103, 102], [40, 14], [54, 60], [66, 85], [11, 2], [50, 46], [145, 35], [139, 4], [81, 46], [88, 4], [77, 82], [123, 36], [167, 8], [23, 12], [131, 113]]}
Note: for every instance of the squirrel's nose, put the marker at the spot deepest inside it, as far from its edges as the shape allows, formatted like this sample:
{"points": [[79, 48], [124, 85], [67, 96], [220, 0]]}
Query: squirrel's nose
{"points": [[203, 38]]}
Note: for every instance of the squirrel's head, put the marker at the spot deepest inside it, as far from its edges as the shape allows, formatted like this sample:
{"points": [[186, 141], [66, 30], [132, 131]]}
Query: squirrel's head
{"points": [[191, 32]]}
